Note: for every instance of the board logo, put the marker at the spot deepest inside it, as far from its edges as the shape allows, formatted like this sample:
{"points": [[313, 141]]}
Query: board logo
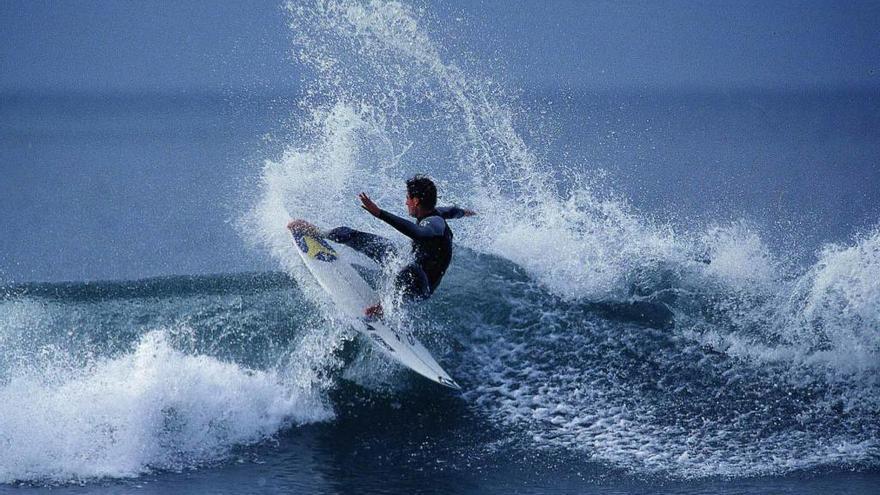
{"points": [[315, 248]]}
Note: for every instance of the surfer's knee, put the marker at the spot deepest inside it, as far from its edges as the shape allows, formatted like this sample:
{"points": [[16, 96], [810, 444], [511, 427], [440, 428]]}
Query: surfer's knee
{"points": [[340, 234]]}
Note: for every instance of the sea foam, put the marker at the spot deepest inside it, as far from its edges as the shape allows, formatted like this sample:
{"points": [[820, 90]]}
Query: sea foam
{"points": [[152, 408]]}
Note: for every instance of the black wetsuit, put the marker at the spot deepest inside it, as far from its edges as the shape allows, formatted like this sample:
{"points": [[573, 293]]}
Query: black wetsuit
{"points": [[431, 248]]}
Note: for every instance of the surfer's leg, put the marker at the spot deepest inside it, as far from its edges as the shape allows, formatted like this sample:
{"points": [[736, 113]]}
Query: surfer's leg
{"points": [[413, 282], [375, 247]]}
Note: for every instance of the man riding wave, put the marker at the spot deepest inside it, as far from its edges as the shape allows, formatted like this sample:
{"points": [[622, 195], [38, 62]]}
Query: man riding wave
{"points": [[431, 239]]}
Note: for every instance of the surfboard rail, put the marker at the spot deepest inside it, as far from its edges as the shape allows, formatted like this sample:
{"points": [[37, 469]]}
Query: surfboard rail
{"points": [[351, 293]]}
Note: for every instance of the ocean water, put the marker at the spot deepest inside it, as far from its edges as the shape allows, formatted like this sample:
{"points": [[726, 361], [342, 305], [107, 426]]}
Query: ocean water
{"points": [[671, 291]]}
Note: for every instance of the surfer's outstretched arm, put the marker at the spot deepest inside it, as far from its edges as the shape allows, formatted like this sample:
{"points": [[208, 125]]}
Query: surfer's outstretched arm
{"points": [[433, 226], [427, 228], [454, 212]]}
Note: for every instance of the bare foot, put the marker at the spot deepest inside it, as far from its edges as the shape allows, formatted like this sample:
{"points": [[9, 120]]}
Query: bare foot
{"points": [[374, 311]]}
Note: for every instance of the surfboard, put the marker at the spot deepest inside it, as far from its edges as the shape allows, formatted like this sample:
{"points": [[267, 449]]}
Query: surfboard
{"points": [[352, 294]]}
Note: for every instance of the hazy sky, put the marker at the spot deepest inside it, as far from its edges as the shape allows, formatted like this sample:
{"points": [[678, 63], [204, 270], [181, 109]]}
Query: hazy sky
{"points": [[183, 45]]}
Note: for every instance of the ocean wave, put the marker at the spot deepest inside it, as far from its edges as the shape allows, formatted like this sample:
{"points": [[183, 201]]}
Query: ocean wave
{"points": [[575, 322], [734, 379], [154, 408]]}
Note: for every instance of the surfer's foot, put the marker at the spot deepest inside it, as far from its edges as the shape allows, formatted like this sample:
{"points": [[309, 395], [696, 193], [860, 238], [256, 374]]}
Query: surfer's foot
{"points": [[374, 311], [303, 227]]}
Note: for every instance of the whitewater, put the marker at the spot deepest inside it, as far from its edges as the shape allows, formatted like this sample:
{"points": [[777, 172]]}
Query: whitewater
{"points": [[585, 332]]}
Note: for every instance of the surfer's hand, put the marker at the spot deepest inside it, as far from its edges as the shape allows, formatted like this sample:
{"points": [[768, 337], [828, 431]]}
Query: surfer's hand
{"points": [[374, 311], [368, 205], [469, 213]]}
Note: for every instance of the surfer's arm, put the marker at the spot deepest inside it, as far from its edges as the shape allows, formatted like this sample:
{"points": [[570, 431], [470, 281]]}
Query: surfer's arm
{"points": [[433, 226], [453, 212]]}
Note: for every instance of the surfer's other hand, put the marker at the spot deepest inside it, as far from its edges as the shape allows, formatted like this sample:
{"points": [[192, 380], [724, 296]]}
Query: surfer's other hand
{"points": [[374, 311], [469, 213], [367, 204]]}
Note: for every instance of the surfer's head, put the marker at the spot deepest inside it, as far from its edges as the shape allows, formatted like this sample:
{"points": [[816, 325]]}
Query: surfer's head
{"points": [[421, 195]]}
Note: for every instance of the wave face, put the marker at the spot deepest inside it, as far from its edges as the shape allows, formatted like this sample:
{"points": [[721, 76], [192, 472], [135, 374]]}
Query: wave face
{"points": [[691, 376], [576, 324], [689, 353], [120, 379]]}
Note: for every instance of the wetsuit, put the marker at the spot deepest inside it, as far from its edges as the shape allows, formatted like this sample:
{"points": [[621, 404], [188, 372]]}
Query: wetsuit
{"points": [[431, 248]]}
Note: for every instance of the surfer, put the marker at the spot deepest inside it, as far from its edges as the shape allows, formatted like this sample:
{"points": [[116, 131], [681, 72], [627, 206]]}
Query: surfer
{"points": [[430, 235]]}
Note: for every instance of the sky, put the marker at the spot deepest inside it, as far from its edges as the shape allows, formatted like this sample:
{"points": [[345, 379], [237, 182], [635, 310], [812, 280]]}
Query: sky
{"points": [[237, 45]]}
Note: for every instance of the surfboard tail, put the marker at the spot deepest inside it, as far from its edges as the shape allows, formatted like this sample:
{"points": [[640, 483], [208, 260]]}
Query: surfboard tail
{"points": [[448, 382]]}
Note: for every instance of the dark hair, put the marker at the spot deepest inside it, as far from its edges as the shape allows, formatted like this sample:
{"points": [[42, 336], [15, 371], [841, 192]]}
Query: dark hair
{"points": [[423, 188]]}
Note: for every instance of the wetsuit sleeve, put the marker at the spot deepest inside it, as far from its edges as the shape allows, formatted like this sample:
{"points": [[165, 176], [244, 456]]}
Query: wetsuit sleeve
{"points": [[433, 226], [451, 212]]}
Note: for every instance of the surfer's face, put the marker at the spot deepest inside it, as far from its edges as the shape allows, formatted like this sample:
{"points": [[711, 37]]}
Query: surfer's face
{"points": [[412, 206]]}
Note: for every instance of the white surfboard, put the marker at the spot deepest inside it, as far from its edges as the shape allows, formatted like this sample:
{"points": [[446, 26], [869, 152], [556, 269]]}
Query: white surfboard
{"points": [[352, 294]]}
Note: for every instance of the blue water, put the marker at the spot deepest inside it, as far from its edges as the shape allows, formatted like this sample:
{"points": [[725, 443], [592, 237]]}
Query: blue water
{"points": [[662, 291]]}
